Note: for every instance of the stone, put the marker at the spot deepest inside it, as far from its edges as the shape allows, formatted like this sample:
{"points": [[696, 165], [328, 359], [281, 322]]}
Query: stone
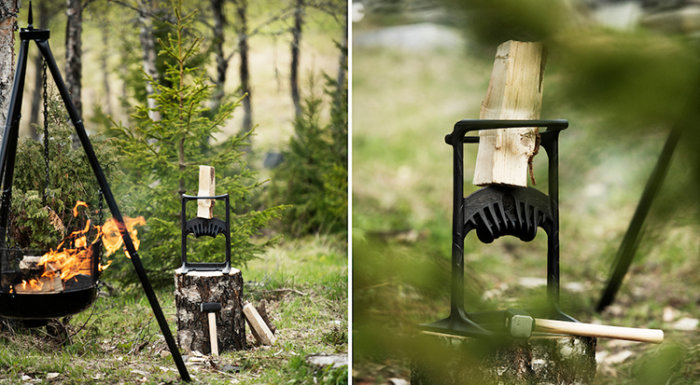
{"points": [[324, 360]]}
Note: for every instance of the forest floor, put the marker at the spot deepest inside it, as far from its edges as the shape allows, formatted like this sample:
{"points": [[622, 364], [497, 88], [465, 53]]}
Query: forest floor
{"points": [[117, 341], [405, 99]]}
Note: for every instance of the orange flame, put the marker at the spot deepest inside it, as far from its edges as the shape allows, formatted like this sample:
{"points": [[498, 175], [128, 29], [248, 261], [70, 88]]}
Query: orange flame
{"points": [[65, 263], [111, 234], [78, 204]]}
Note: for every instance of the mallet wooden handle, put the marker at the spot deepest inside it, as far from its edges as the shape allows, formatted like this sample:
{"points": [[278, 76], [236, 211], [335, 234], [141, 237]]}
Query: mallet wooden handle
{"points": [[595, 330], [213, 341]]}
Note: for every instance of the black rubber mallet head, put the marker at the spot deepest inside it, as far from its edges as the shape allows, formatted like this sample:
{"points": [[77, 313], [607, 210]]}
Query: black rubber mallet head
{"points": [[211, 308]]}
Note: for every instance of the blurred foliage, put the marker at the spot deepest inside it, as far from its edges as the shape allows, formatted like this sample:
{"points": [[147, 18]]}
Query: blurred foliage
{"points": [[313, 177], [621, 91], [38, 223], [161, 157]]}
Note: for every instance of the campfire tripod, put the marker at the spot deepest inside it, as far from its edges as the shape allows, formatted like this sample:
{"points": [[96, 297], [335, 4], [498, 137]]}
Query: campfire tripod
{"points": [[9, 151]]}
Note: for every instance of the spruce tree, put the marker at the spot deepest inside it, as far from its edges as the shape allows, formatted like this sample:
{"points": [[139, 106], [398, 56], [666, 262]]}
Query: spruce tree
{"points": [[161, 158], [313, 177]]}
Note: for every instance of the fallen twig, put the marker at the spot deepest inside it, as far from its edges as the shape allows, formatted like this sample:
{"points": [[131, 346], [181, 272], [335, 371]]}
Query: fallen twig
{"points": [[286, 290]]}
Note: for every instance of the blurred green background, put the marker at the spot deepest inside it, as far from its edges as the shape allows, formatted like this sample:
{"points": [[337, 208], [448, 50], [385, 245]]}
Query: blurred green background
{"points": [[620, 79]]}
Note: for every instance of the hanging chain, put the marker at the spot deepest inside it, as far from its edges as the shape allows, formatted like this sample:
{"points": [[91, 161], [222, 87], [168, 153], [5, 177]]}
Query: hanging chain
{"points": [[46, 133]]}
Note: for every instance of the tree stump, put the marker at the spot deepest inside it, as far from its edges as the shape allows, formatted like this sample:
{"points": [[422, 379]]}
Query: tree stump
{"points": [[196, 287], [460, 361]]}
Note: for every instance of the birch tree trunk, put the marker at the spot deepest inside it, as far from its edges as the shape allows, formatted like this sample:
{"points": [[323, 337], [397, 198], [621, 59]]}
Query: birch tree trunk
{"points": [[8, 24], [241, 12], [149, 54], [74, 66], [342, 64], [105, 71], [217, 7], [294, 70]]}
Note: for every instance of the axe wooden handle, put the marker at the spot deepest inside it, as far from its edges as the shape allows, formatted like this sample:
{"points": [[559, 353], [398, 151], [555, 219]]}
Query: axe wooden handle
{"points": [[595, 330]]}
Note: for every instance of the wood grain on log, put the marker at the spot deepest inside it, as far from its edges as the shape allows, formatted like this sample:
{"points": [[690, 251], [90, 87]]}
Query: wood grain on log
{"points": [[196, 287], [262, 332], [207, 187], [515, 92]]}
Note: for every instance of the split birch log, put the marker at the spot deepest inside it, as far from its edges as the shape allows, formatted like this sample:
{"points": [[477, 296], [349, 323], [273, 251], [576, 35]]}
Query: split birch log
{"points": [[262, 332], [207, 188], [515, 92], [195, 287], [30, 263]]}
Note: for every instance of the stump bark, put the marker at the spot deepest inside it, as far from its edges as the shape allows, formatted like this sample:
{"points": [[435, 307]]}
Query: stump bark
{"points": [[196, 287], [556, 360]]}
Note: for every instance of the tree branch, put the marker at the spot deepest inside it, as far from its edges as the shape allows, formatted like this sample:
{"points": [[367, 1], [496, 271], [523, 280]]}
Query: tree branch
{"points": [[134, 8], [282, 14]]}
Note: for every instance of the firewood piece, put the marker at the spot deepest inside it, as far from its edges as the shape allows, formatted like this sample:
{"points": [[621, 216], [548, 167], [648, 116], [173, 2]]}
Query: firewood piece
{"points": [[262, 310], [207, 187], [262, 332], [46, 285], [193, 288], [515, 92], [30, 263]]}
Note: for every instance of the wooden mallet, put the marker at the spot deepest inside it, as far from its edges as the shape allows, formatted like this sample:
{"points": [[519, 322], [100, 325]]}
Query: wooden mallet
{"points": [[211, 308]]}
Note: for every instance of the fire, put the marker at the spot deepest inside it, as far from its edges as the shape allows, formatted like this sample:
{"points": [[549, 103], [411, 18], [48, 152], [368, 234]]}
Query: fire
{"points": [[111, 236], [73, 256]]}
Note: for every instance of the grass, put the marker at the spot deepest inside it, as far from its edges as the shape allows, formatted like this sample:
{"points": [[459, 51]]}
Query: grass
{"points": [[303, 281], [403, 105]]}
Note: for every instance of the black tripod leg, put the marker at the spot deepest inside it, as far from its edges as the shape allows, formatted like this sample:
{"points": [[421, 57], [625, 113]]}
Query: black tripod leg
{"points": [[112, 204], [9, 141], [629, 244]]}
